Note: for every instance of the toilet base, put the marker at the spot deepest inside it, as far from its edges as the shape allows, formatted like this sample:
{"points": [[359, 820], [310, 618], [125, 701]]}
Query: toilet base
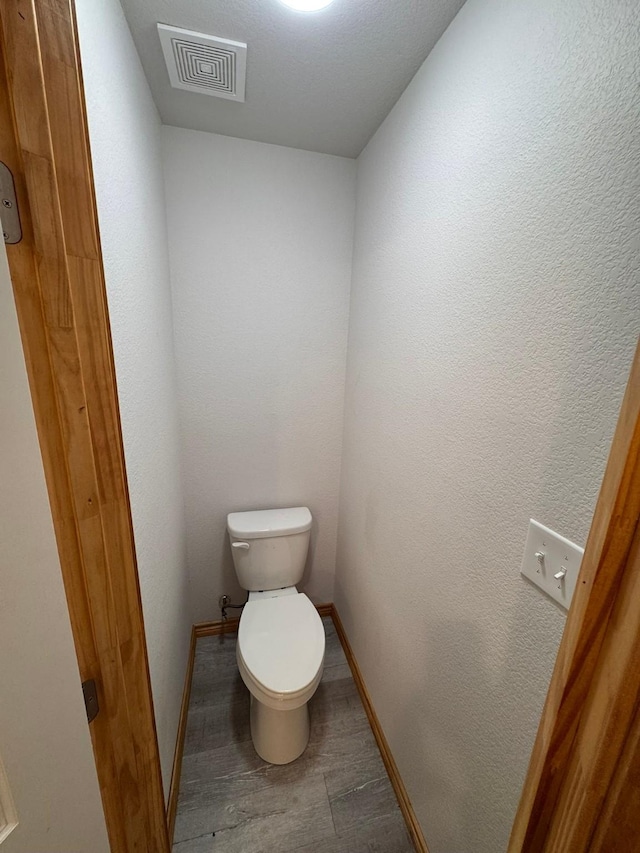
{"points": [[279, 737]]}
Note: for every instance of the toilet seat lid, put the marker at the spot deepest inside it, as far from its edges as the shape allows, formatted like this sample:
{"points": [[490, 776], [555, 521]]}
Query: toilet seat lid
{"points": [[281, 641]]}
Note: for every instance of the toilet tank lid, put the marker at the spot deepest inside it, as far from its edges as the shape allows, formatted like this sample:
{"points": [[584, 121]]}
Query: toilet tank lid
{"points": [[262, 523]]}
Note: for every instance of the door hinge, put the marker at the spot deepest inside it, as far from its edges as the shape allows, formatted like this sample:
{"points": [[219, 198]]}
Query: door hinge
{"points": [[9, 214], [90, 693]]}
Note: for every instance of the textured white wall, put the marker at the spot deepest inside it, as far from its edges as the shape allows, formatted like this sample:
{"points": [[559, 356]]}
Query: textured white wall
{"points": [[125, 145], [495, 308], [260, 242], [44, 737]]}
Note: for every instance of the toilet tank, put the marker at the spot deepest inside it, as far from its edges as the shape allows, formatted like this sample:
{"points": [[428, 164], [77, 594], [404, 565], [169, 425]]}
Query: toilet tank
{"points": [[269, 546]]}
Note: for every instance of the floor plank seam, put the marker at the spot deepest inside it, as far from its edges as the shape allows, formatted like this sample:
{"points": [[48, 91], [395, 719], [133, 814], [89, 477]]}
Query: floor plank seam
{"points": [[329, 801]]}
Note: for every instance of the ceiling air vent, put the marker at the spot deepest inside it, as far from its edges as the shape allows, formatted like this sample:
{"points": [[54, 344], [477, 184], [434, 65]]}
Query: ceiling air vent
{"points": [[205, 64]]}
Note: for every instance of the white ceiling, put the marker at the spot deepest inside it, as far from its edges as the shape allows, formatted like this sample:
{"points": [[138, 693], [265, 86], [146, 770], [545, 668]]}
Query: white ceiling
{"points": [[322, 81]]}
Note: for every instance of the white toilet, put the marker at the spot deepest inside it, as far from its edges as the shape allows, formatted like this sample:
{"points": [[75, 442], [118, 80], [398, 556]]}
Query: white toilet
{"points": [[281, 639]]}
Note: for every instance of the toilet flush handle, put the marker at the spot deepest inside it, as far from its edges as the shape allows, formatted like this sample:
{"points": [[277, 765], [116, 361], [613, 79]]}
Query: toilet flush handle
{"points": [[244, 545]]}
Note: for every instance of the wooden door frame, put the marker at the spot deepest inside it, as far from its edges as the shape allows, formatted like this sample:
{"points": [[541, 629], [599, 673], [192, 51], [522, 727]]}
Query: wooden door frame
{"points": [[59, 287]]}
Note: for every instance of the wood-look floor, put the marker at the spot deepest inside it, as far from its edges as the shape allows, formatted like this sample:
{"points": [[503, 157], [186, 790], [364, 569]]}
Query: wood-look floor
{"points": [[336, 798]]}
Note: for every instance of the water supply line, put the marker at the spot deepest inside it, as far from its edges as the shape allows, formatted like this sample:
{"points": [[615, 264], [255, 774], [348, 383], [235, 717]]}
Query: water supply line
{"points": [[225, 604]]}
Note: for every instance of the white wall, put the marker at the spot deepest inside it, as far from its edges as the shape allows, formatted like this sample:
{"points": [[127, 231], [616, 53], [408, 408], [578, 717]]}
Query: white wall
{"points": [[44, 736], [494, 313], [125, 142], [260, 241]]}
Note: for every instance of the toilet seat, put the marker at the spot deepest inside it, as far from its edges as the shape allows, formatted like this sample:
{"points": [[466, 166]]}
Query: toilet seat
{"points": [[280, 650]]}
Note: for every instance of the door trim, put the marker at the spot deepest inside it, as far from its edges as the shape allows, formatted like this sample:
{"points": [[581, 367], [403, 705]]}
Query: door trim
{"points": [[59, 289]]}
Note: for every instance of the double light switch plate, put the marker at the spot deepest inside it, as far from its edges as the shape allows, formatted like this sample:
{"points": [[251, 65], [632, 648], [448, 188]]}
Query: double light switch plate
{"points": [[551, 562]]}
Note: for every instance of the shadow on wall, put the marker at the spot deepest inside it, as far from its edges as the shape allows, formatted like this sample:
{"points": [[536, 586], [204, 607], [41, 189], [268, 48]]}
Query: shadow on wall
{"points": [[455, 693], [311, 555], [224, 559]]}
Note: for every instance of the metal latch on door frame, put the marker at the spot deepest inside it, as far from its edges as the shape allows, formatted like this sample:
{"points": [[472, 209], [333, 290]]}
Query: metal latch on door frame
{"points": [[9, 214], [90, 693]]}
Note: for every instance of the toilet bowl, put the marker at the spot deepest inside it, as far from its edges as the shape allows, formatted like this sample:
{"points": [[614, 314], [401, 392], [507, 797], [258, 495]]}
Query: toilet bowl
{"points": [[280, 654], [281, 640]]}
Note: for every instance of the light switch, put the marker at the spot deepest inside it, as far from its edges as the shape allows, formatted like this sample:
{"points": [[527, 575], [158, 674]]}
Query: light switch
{"points": [[551, 562]]}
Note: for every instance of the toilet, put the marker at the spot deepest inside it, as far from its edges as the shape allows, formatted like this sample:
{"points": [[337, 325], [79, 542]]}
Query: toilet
{"points": [[281, 640]]}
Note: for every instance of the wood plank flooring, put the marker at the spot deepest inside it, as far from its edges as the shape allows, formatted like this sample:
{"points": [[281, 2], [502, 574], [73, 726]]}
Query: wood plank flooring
{"points": [[336, 798]]}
